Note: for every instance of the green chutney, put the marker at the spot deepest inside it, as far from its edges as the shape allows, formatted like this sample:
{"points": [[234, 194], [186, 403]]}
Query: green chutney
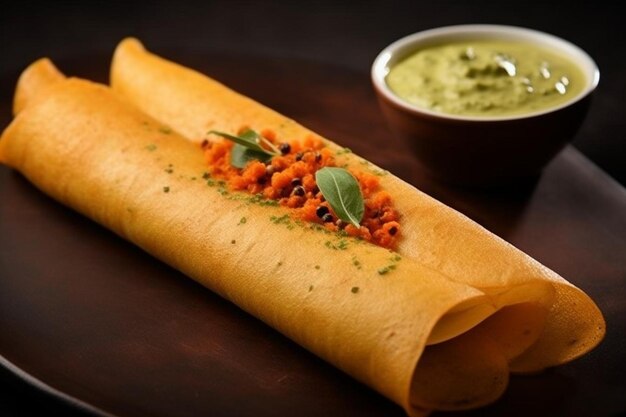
{"points": [[486, 78]]}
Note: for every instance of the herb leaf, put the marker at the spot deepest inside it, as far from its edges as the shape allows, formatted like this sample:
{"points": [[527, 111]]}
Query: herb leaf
{"points": [[240, 156], [342, 192], [251, 140], [248, 147]]}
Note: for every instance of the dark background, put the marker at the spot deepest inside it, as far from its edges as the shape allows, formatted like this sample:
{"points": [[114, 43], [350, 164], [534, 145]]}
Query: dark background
{"points": [[347, 34], [343, 34]]}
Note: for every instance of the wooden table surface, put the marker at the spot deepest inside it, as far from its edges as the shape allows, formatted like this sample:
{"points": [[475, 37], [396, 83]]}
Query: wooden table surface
{"points": [[93, 318]]}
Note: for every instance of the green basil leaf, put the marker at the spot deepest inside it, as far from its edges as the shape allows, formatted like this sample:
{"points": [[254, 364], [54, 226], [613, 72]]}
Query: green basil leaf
{"points": [[255, 137], [240, 156], [251, 140], [342, 192], [248, 140]]}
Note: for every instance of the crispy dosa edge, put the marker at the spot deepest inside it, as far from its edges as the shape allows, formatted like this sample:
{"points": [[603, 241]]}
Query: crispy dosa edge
{"points": [[33, 82], [80, 99], [440, 237]]}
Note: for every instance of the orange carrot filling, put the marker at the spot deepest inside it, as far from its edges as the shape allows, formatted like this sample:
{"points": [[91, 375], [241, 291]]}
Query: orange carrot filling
{"points": [[290, 179]]}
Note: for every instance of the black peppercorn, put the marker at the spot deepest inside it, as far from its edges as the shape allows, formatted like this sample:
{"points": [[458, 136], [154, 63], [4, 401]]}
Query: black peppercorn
{"points": [[340, 223], [299, 191], [318, 157], [269, 170], [299, 156], [321, 211], [393, 230], [296, 181], [327, 218], [284, 148]]}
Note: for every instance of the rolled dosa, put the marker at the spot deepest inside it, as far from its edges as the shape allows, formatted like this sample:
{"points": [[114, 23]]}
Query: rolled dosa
{"points": [[424, 340], [434, 234]]}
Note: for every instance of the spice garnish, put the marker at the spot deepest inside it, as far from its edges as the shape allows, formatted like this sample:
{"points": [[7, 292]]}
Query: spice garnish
{"points": [[342, 192], [290, 180]]}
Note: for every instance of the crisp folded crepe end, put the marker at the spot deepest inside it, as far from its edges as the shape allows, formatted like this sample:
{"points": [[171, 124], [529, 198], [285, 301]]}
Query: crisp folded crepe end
{"points": [[460, 319], [577, 329], [466, 316], [466, 372], [33, 82]]}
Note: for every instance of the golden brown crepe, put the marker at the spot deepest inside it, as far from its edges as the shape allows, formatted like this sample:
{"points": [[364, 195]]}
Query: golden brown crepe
{"points": [[436, 333], [436, 235]]}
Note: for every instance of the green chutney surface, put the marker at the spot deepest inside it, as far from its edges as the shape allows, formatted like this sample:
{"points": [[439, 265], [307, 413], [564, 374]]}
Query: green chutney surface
{"points": [[486, 78]]}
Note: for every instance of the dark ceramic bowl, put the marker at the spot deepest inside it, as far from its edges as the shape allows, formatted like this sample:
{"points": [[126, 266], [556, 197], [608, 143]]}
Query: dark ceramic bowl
{"points": [[483, 150]]}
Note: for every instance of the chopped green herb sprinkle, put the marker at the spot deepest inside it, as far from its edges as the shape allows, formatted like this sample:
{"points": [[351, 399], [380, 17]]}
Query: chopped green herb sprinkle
{"points": [[384, 270], [310, 288], [193, 178], [206, 176], [342, 244], [152, 147], [165, 130], [279, 264], [243, 220], [166, 189], [233, 241], [344, 151], [260, 200], [317, 267], [355, 290], [284, 219], [169, 170]]}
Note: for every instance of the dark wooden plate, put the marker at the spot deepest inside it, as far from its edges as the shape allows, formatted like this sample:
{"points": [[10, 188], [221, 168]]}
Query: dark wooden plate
{"points": [[94, 320]]}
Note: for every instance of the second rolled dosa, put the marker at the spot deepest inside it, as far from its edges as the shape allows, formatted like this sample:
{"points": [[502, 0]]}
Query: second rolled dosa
{"points": [[434, 234]]}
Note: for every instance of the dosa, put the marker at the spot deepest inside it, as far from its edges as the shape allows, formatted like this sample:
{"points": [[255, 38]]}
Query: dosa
{"points": [[438, 333]]}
